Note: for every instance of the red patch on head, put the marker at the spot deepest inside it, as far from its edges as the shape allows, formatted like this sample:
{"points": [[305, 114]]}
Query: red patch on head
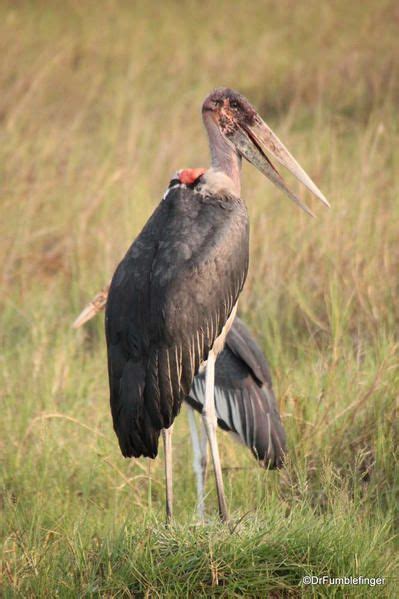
{"points": [[189, 175]]}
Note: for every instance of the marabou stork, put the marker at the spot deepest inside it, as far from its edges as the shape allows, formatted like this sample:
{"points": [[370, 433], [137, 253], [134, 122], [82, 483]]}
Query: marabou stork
{"points": [[173, 297], [244, 399]]}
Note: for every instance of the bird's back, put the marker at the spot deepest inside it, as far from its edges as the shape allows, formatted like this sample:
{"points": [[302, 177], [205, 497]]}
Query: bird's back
{"points": [[168, 301]]}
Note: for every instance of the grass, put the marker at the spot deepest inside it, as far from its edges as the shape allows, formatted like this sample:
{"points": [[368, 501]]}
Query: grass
{"points": [[99, 106]]}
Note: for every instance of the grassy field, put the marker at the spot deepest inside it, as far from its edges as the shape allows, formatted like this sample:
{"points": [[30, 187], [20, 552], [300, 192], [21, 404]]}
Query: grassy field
{"points": [[99, 105]]}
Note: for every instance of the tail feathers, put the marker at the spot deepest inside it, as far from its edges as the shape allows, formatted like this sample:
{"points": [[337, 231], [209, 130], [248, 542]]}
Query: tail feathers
{"points": [[148, 399], [133, 425]]}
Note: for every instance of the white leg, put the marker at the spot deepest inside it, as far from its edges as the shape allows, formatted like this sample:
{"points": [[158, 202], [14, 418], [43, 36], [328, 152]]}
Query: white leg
{"points": [[200, 460], [204, 451], [210, 423], [167, 442]]}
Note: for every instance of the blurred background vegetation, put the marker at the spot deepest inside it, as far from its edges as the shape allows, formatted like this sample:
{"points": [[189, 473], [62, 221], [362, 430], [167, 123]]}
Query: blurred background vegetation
{"points": [[100, 104]]}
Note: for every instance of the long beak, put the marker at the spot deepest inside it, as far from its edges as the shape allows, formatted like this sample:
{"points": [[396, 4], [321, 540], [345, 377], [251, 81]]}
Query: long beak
{"points": [[254, 141], [97, 304]]}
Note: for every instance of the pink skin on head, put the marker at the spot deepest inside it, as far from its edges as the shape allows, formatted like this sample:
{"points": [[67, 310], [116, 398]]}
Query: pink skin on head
{"points": [[189, 175]]}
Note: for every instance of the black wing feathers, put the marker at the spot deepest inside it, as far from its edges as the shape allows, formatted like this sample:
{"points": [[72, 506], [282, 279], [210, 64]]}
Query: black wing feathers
{"points": [[244, 398], [169, 299], [243, 345]]}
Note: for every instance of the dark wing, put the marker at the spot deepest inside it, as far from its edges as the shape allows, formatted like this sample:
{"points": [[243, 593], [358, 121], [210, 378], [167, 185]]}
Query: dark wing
{"points": [[243, 345], [244, 398], [169, 300]]}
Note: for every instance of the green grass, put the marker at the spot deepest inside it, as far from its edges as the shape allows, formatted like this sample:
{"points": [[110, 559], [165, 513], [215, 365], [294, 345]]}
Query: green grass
{"points": [[99, 106]]}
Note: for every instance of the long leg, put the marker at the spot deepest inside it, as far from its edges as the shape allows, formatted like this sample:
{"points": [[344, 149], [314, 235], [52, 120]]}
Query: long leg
{"points": [[167, 442], [204, 451], [200, 461], [210, 422]]}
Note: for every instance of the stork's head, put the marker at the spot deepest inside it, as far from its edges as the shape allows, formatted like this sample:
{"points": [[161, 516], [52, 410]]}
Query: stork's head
{"points": [[229, 109], [250, 137]]}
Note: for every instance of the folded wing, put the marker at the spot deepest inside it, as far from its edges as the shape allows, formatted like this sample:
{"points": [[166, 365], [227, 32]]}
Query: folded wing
{"points": [[168, 301]]}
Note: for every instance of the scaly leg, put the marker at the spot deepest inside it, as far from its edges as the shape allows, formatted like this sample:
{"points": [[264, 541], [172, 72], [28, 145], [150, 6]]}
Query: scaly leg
{"points": [[210, 423], [200, 459], [204, 452], [167, 442]]}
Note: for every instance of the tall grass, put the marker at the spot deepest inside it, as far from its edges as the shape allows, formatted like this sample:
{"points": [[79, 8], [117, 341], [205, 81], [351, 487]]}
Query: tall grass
{"points": [[99, 106]]}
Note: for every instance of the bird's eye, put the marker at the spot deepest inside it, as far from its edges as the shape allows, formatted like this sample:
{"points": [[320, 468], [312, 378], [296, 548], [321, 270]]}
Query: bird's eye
{"points": [[234, 104]]}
